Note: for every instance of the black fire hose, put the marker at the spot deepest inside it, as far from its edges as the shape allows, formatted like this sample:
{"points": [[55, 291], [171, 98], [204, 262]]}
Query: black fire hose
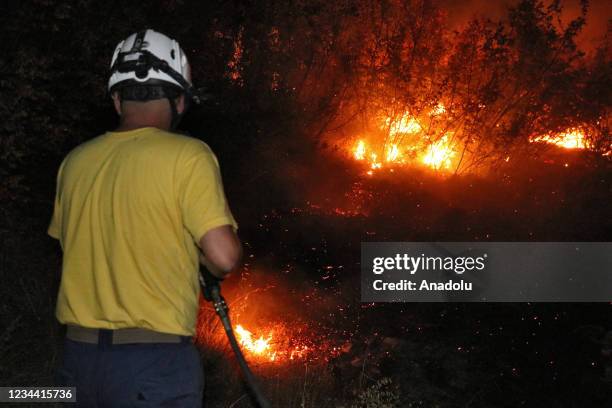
{"points": [[211, 290]]}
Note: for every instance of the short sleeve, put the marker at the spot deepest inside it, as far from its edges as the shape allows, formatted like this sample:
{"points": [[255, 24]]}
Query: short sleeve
{"points": [[56, 219], [201, 195]]}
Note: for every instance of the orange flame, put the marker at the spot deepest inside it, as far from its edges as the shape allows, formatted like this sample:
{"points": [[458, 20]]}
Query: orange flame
{"points": [[259, 347], [438, 110], [439, 154], [360, 150], [406, 124], [392, 153], [570, 139], [409, 139], [264, 348], [375, 163]]}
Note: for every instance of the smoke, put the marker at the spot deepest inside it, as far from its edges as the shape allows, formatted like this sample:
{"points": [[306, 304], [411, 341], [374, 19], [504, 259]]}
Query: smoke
{"points": [[597, 20]]}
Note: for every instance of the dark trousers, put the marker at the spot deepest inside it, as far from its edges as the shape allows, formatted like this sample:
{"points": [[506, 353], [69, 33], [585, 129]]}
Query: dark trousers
{"points": [[133, 375]]}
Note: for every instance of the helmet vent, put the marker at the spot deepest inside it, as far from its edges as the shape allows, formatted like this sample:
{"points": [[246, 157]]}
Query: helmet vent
{"points": [[142, 72], [172, 54]]}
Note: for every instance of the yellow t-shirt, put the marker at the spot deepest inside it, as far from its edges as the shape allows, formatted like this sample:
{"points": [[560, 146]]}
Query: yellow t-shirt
{"points": [[129, 209]]}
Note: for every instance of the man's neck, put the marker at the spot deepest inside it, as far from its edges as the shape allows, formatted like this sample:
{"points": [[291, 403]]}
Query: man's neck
{"points": [[127, 126]]}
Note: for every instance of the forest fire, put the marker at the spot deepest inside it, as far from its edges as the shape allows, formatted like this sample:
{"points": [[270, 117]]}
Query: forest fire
{"points": [[331, 124], [406, 141]]}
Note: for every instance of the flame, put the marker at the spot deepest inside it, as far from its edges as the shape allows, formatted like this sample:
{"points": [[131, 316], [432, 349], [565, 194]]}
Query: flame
{"points": [[439, 154], [569, 139], [406, 124], [438, 110], [392, 153], [405, 140], [267, 349], [374, 160], [360, 150], [274, 342], [259, 347]]}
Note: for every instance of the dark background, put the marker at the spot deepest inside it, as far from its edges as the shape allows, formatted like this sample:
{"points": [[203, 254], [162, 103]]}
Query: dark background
{"points": [[282, 111]]}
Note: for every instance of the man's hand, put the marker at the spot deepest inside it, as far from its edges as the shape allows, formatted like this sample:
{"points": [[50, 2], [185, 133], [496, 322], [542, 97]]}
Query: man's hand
{"points": [[221, 251]]}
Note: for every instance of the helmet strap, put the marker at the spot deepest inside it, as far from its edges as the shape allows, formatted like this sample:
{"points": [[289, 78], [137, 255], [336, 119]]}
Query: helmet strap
{"points": [[176, 117]]}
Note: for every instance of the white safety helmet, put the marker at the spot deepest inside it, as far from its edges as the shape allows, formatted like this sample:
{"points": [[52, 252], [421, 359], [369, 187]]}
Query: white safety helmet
{"points": [[149, 65]]}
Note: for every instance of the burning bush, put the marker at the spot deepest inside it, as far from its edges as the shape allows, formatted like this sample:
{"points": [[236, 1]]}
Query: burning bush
{"points": [[390, 82]]}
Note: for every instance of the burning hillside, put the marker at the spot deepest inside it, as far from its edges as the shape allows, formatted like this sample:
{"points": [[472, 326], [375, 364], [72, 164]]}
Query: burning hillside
{"points": [[408, 140]]}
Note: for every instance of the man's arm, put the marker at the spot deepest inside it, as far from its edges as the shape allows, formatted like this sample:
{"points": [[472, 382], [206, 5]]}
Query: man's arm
{"points": [[222, 250], [204, 208]]}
